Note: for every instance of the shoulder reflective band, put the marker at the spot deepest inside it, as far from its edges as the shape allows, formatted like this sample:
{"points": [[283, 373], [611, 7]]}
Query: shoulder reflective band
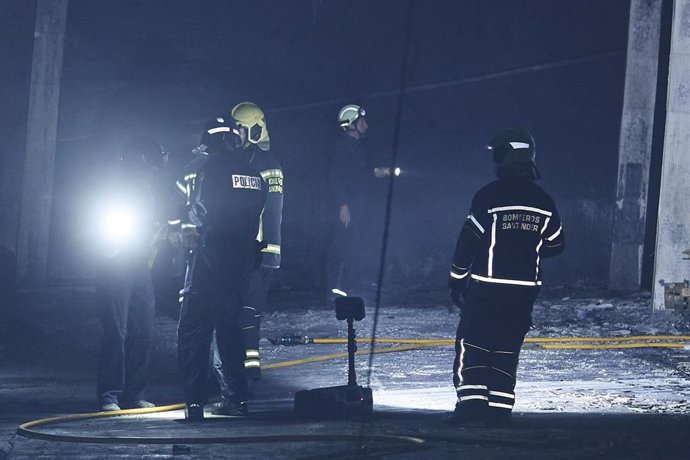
{"points": [[274, 179], [519, 208], [271, 173]]}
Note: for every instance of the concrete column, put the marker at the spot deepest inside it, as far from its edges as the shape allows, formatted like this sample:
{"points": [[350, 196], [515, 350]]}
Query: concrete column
{"points": [[16, 44], [635, 145], [673, 225], [44, 99]]}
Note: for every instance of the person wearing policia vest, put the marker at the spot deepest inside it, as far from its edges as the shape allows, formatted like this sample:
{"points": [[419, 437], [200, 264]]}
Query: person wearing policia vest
{"points": [[495, 276], [257, 149], [225, 196]]}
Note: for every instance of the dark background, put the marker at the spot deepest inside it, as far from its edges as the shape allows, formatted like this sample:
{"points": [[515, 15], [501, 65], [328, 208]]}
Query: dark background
{"points": [[160, 67]]}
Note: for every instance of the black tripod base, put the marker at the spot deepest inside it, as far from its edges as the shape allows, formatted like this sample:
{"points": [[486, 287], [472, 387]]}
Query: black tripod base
{"points": [[334, 402]]}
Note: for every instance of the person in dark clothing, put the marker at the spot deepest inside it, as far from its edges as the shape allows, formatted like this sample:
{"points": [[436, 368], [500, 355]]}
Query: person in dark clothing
{"points": [[257, 148], [351, 185], [125, 290], [496, 273], [226, 196]]}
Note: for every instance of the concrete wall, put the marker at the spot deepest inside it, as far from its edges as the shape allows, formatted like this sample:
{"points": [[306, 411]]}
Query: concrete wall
{"points": [[475, 69], [637, 126], [16, 40], [673, 227], [41, 137]]}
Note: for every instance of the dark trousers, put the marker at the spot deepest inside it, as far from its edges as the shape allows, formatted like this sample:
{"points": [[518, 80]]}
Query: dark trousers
{"points": [[212, 301], [349, 257], [253, 301], [127, 313], [492, 328]]}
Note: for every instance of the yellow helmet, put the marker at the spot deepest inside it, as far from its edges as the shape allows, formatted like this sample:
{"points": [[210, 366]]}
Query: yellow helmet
{"points": [[252, 118]]}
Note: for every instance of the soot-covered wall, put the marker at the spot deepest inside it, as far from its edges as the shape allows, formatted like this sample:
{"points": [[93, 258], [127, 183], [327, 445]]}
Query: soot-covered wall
{"points": [[162, 68]]}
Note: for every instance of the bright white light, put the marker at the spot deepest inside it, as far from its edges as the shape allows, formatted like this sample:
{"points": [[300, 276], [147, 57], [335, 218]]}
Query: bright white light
{"points": [[428, 399], [339, 292], [167, 415], [397, 171], [117, 224]]}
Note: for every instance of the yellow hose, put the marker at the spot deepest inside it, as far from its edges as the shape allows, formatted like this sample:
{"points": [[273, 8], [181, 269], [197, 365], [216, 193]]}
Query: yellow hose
{"points": [[551, 343], [76, 417], [447, 341], [439, 341], [610, 346], [25, 429], [607, 339], [316, 359]]}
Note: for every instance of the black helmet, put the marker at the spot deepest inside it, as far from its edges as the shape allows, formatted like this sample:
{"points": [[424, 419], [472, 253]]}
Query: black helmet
{"points": [[513, 152], [220, 136], [141, 151], [513, 145]]}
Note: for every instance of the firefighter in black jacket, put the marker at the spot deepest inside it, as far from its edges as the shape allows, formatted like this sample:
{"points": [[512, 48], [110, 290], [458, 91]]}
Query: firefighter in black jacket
{"points": [[351, 185], [249, 116], [495, 278], [226, 196]]}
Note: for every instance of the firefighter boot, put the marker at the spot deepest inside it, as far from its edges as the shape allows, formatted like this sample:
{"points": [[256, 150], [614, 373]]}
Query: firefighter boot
{"points": [[469, 413], [231, 409], [498, 417]]}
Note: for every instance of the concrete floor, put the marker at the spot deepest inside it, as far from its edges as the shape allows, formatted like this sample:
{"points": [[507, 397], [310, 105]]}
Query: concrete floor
{"points": [[570, 403]]}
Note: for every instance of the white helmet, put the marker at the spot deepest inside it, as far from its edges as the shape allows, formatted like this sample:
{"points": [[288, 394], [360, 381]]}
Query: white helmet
{"points": [[350, 114]]}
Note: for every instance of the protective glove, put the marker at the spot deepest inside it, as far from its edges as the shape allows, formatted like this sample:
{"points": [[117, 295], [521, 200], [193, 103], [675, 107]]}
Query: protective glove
{"points": [[190, 236], [456, 291], [259, 255], [174, 237], [456, 296]]}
